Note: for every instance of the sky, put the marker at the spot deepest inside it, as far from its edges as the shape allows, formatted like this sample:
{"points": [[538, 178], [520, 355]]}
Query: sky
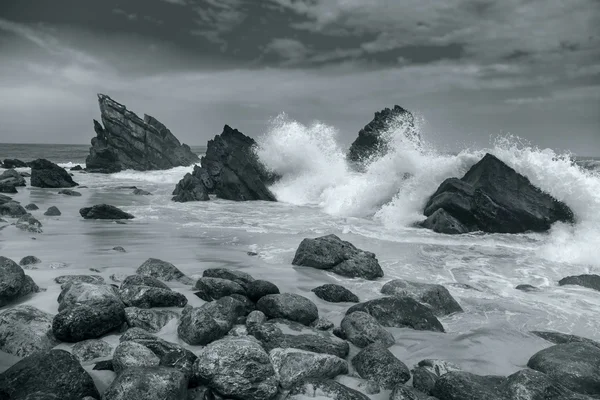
{"points": [[469, 69]]}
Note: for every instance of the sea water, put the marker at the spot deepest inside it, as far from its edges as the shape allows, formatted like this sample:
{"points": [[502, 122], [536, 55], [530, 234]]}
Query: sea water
{"points": [[320, 194]]}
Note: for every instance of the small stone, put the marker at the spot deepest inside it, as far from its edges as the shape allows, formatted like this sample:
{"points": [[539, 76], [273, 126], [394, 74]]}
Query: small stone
{"points": [[31, 207]]}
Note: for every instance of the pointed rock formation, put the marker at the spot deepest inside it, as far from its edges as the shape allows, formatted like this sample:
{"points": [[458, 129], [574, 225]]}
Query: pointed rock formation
{"points": [[128, 142]]}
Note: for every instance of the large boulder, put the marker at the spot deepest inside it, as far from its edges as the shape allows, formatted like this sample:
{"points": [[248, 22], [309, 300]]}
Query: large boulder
{"points": [[435, 296], [361, 329], [46, 174], [162, 270], [129, 142], [258, 289], [341, 257], [148, 383], [324, 389], [237, 367], [143, 280], [149, 320], [587, 280], [372, 140], [104, 211], [52, 211], [24, 330], [210, 322], [575, 365], [289, 306], [375, 362], [14, 284], [53, 374], [230, 169], [400, 312], [493, 197], [293, 366]]}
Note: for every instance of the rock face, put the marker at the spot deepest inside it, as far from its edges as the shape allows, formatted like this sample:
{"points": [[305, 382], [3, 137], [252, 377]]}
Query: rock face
{"points": [[25, 329], [289, 306], [588, 281], [335, 293], [230, 169], [54, 374], [435, 296], [13, 282], [237, 368], [493, 197], [104, 211], [150, 383], [371, 141], [375, 362], [574, 365], [341, 257], [128, 142], [361, 329], [46, 174]]}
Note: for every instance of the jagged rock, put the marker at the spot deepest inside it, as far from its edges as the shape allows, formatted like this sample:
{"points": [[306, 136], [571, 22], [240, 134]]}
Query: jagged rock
{"points": [[143, 280], [400, 312], [492, 197], [443, 222], [586, 280], [467, 386], [361, 329], [427, 372], [148, 383], [371, 140], [289, 306], [69, 192], [162, 270], [560, 338], [104, 211], [148, 297], [257, 289], [435, 296], [575, 365], [93, 279], [12, 209], [210, 322], [191, 188], [528, 384], [341, 257], [335, 293], [29, 223], [31, 207], [128, 142], [297, 336], [91, 349], [230, 169], [239, 277], [46, 174], [14, 163], [210, 289], [76, 168], [53, 374], [527, 288], [375, 362], [141, 192], [323, 389], [237, 367], [14, 284], [149, 320], [293, 366], [29, 260], [131, 354], [24, 330]]}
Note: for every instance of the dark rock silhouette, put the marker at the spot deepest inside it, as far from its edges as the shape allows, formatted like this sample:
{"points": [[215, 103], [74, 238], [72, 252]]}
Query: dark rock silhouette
{"points": [[46, 174]]}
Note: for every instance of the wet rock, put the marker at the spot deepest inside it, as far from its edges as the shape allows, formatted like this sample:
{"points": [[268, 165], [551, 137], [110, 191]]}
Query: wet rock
{"points": [[149, 320], [31, 207], [104, 211], [237, 367], [210, 289], [143, 280], [14, 163], [92, 279], [427, 372], [335, 293], [191, 188], [255, 318], [289, 306], [29, 223], [46, 174], [527, 288], [560, 338], [493, 197], [467, 386], [528, 384], [280, 333], [148, 297], [293, 366], [141, 192], [361, 329], [119, 249], [375, 362], [148, 383], [400, 312], [323, 389], [132, 354], [575, 365], [442, 222], [24, 330], [74, 293], [91, 349], [322, 324], [211, 321], [162, 270], [586, 280], [12, 209], [435, 296], [88, 321], [257, 289], [14, 284], [53, 374], [341, 257], [239, 277], [76, 168]]}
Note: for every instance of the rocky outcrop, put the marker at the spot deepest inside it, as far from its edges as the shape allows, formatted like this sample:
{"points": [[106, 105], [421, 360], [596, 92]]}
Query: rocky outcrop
{"points": [[492, 197], [338, 256], [14, 284], [46, 174], [24, 330], [230, 170], [129, 142], [104, 211], [371, 140]]}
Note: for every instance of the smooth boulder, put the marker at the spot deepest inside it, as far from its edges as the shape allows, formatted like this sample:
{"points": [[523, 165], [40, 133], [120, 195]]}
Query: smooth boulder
{"points": [[52, 211], [335, 293], [148, 297], [289, 306], [466, 386], [131, 354], [258, 289], [435, 296], [104, 211], [69, 192], [12, 209], [46, 174]]}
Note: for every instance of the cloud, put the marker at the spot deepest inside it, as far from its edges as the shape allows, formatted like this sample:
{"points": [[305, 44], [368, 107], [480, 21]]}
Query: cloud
{"points": [[218, 17], [581, 93], [291, 50]]}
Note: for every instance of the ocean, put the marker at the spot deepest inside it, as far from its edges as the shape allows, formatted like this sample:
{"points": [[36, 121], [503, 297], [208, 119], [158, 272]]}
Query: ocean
{"points": [[375, 210]]}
